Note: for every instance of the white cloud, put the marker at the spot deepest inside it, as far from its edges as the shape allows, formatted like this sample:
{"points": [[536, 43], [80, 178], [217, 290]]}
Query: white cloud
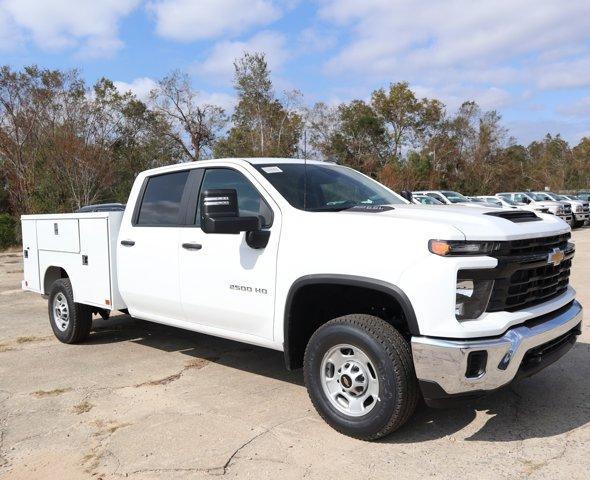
{"points": [[90, 26], [187, 20], [570, 73], [219, 63], [579, 108], [141, 87], [460, 40], [223, 100], [527, 131], [10, 37]]}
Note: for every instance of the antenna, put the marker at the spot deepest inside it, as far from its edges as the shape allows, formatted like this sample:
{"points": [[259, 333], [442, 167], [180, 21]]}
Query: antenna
{"points": [[304, 183]]}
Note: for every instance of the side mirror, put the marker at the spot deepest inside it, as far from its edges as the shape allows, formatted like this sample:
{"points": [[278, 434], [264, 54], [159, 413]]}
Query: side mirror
{"points": [[407, 195], [220, 213]]}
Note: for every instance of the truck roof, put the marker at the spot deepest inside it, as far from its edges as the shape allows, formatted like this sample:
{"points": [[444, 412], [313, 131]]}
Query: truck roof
{"points": [[236, 160]]}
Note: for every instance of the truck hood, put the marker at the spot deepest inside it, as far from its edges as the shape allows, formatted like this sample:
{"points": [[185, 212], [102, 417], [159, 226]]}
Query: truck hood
{"points": [[475, 223], [549, 203]]}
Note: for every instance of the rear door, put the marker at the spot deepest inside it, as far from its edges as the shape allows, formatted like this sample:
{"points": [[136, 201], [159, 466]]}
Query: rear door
{"points": [[224, 283], [148, 249]]}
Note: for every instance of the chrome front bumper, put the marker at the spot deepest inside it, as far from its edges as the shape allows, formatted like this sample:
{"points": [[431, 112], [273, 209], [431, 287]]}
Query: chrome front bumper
{"points": [[445, 362], [582, 216]]}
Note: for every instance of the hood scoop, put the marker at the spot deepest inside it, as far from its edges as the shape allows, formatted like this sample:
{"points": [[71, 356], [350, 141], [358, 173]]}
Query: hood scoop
{"points": [[516, 217]]}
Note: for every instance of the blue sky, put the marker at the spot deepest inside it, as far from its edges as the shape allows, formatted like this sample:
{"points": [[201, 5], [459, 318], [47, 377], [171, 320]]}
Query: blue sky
{"points": [[530, 60]]}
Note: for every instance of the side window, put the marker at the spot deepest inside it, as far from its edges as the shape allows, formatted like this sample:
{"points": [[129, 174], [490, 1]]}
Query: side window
{"points": [[160, 204], [250, 202]]}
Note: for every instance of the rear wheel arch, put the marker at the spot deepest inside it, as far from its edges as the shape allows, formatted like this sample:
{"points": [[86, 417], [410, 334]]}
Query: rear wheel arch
{"points": [[53, 273], [297, 332]]}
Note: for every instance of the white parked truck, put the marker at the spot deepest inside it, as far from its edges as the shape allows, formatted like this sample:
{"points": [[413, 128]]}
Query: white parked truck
{"points": [[561, 209], [380, 301]]}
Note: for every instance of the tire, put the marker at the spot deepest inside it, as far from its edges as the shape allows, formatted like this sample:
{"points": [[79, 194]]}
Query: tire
{"points": [[577, 224], [79, 317], [386, 357]]}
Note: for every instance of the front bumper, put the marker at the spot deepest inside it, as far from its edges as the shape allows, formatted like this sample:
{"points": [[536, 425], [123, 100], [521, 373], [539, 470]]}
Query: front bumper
{"points": [[566, 217], [445, 367], [582, 217]]}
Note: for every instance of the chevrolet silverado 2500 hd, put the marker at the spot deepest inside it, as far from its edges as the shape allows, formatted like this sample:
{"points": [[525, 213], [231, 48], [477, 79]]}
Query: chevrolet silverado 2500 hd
{"points": [[377, 299]]}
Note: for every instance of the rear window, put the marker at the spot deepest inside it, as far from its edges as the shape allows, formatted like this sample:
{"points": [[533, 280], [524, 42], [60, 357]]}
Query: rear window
{"points": [[161, 200]]}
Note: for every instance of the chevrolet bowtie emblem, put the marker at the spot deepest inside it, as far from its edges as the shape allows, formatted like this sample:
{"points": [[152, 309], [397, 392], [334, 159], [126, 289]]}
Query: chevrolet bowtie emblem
{"points": [[556, 257]]}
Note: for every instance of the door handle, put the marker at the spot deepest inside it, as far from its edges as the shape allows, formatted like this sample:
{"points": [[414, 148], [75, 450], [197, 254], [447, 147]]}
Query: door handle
{"points": [[192, 246], [127, 243]]}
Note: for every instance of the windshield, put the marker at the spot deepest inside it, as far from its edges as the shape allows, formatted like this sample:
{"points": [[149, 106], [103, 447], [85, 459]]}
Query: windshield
{"points": [[426, 200], [455, 197], [326, 187], [478, 200], [509, 202], [540, 197]]}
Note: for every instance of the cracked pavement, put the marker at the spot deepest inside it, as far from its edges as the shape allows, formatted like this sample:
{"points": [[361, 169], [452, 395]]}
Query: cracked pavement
{"points": [[146, 401]]}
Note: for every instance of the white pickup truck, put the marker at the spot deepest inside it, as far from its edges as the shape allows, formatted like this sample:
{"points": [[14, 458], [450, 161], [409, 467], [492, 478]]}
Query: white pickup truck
{"points": [[380, 301]]}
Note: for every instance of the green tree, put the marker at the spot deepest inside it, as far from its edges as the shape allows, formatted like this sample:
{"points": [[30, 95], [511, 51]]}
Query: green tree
{"points": [[262, 125], [410, 121]]}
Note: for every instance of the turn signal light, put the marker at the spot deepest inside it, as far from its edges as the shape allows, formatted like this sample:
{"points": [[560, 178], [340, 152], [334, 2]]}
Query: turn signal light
{"points": [[446, 248]]}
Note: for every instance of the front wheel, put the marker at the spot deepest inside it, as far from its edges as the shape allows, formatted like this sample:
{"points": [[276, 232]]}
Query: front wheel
{"points": [[360, 376], [71, 322]]}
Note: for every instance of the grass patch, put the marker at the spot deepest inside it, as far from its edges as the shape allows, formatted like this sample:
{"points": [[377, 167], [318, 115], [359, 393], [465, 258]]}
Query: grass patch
{"points": [[82, 407], [21, 340], [51, 393]]}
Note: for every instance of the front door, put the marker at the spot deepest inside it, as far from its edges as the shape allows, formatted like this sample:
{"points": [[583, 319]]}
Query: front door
{"points": [[226, 285]]}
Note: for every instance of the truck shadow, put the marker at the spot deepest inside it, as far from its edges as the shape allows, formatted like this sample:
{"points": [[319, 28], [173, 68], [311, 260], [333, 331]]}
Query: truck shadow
{"points": [[241, 356], [553, 402]]}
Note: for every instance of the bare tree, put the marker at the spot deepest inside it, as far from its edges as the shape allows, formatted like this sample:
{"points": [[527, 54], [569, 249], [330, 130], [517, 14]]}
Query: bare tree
{"points": [[195, 125]]}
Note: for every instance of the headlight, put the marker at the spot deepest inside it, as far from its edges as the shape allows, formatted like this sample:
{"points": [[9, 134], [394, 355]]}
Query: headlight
{"points": [[560, 211], [472, 297], [446, 248], [579, 209]]}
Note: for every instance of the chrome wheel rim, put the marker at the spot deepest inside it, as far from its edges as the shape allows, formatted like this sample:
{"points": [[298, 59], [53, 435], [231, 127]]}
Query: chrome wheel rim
{"points": [[349, 380], [61, 312]]}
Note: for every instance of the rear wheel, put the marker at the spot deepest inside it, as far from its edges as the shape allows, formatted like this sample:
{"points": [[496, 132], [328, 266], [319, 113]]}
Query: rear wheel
{"points": [[360, 376], [71, 322]]}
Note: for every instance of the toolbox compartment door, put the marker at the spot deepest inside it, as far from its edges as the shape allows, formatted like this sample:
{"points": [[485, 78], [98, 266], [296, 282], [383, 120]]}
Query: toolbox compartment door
{"points": [[30, 256], [59, 235]]}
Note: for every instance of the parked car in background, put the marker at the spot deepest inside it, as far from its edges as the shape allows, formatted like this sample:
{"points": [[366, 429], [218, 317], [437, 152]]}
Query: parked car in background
{"points": [[580, 208], [584, 196], [502, 202], [560, 209], [482, 202], [419, 199], [448, 197]]}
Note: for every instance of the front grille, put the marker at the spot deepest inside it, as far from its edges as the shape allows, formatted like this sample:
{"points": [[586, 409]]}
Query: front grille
{"points": [[524, 277], [585, 207], [534, 245], [567, 208]]}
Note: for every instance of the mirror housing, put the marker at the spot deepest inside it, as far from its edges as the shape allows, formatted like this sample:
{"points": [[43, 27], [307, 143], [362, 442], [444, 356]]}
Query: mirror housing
{"points": [[220, 213], [407, 195]]}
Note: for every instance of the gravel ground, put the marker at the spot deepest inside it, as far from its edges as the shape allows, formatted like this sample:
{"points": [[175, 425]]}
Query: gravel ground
{"points": [[146, 401]]}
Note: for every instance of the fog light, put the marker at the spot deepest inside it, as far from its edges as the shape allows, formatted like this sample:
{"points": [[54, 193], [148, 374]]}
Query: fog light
{"points": [[476, 364], [472, 297]]}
